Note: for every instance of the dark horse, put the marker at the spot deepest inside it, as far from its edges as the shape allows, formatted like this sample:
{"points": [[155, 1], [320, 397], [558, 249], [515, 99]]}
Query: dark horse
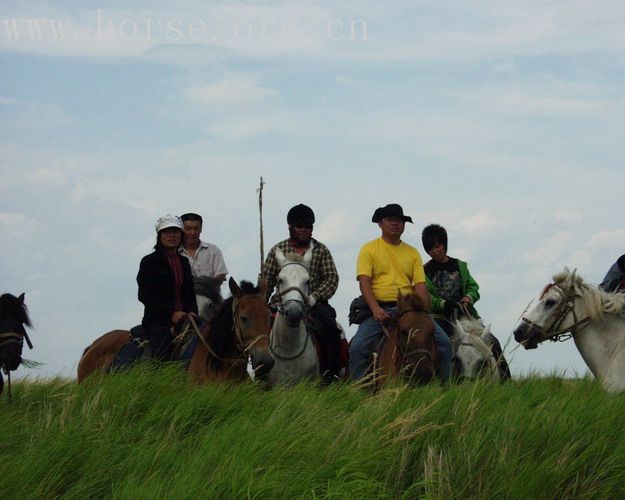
{"points": [[13, 317], [408, 349], [239, 331]]}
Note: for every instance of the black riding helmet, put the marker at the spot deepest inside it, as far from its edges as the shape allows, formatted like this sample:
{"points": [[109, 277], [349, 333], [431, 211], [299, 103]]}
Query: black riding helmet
{"points": [[300, 213]]}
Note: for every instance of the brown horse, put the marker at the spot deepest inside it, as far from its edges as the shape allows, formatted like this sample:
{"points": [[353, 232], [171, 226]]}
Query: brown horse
{"points": [[240, 330], [408, 349]]}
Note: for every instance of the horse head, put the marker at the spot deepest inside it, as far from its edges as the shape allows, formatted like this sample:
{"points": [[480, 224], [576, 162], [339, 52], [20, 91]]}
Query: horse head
{"points": [[472, 350], [415, 339], [13, 317], [292, 284], [556, 311], [251, 324]]}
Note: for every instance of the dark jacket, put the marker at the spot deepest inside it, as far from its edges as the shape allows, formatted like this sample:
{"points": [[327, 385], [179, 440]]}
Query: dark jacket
{"points": [[470, 288], [156, 289]]}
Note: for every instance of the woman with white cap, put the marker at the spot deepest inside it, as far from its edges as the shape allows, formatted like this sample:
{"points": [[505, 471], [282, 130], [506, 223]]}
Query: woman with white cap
{"points": [[165, 286]]}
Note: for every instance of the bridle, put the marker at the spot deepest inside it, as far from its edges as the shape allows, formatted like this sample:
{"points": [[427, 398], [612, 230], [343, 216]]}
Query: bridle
{"points": [[280, 293], [8, 338], [240, 345], [552, 330], [404, 353]]}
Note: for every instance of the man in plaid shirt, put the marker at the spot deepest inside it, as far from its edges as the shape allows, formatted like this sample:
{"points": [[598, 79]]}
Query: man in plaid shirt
{"points": [[324, 280]]}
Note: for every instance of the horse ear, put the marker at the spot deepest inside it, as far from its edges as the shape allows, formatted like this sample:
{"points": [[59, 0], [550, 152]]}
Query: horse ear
{"points": [[235, 290], [459, 330], [280, 257], [485, 334], [21, 297]]}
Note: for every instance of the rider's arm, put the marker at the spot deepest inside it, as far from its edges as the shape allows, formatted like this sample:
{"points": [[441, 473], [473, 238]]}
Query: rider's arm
{"points": [[471, 289], [329, 276], [270, 271], [367, 292], [421, 290]]}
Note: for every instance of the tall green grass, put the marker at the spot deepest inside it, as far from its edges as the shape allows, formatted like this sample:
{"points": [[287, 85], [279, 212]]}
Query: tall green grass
{"points": [[150, 434]]}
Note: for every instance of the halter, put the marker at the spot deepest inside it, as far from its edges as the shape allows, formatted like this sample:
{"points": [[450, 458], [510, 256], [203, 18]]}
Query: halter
{"points": [[13, 338], [280, 293], [403, 353], [282, 308], [241, 346], [552, 330]]}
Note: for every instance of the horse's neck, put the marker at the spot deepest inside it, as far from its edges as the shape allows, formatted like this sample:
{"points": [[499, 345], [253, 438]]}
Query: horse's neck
{"points": [[288, 338], [602, 345]]}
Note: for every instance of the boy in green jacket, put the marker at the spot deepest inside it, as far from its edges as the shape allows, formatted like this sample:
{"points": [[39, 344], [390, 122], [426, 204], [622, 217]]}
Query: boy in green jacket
{"points": [[451, 286]]}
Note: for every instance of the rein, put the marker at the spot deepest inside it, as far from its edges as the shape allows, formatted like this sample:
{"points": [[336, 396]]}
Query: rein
{"points": [[565, 307], [402, 351]]}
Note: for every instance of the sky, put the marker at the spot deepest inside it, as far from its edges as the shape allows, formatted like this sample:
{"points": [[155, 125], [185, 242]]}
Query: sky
{"points": [[502, 121]]}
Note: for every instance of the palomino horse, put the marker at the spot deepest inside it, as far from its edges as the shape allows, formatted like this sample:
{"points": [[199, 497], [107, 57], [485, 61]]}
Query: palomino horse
{"points": [[594, 318], [13, 317], [472, 357], [240, 330], [291, 344], [408, 348]]}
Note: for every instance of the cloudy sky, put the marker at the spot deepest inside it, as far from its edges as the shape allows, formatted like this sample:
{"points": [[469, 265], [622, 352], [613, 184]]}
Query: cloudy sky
{"points": [[503, 121]]}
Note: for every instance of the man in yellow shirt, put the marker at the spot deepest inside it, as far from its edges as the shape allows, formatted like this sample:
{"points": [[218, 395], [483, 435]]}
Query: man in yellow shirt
{"points": [[386, 265]]}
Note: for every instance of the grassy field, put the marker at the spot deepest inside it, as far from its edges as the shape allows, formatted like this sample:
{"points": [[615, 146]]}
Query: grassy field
{"points": [[150, 434]]}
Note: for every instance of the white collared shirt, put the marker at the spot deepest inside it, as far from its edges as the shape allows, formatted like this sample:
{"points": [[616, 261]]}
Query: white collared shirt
{"points": [[208, 261]]}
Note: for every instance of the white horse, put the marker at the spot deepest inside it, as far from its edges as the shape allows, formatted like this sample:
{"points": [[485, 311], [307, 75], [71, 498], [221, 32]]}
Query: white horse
{"points": [[594, 318], [291, 343], [472, 357]]}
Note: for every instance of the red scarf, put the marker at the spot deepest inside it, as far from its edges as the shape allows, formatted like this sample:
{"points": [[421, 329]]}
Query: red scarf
{"points": [[176, 269]]}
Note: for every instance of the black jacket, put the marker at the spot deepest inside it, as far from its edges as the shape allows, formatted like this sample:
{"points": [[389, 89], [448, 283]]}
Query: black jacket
{"points": [[156, 289]]}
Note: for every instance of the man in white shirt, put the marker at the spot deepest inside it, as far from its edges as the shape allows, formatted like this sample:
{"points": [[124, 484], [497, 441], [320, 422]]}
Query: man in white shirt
{"points": [[207, 264]]}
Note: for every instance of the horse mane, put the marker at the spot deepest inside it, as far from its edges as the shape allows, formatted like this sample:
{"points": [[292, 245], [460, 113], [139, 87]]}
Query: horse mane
{"points": [[473, 327], [221, 337], [597, 301], [13, 306], [208, 287]]}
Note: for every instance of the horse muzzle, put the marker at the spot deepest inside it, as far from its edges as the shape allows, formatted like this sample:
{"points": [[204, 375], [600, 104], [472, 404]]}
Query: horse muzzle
{"points": [[527, 336], [262, 363], [293, 313]]}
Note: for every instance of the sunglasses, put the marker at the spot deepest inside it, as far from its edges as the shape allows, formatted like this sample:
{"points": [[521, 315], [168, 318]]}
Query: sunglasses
{"points": [[303, 225]]}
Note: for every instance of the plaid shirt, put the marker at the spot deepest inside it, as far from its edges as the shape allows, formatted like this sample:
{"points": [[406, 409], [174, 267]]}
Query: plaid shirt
{"points": [[324, 279]]}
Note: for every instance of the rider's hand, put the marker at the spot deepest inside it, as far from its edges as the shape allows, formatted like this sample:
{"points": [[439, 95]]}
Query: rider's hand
{"points": [[177, 317], [312, 300], [450, 306], [380, 314], [466, 300]]}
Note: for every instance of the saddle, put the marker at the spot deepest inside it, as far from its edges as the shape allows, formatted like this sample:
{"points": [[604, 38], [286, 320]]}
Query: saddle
{"points": [[140, 348]]}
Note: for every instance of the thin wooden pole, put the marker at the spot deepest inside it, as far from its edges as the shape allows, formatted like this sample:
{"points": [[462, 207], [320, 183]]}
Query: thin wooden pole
{"points": [[262, 243]]}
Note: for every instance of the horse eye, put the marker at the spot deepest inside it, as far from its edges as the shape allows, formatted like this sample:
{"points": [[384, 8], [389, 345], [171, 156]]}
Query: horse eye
{"points": [[244, 319], [280, 281], [550, 303]]}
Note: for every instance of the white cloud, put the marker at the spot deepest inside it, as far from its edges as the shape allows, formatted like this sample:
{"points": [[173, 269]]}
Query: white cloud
{"points": [[337, 227], [608, 239], [484, 220], [229, 92]]}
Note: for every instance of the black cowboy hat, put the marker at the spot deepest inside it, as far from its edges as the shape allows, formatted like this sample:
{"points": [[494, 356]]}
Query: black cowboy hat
{"points": [[390, 210]]}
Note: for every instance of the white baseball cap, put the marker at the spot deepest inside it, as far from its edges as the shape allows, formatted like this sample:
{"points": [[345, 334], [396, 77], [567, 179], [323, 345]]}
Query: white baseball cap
{"points": [[168, 220]]}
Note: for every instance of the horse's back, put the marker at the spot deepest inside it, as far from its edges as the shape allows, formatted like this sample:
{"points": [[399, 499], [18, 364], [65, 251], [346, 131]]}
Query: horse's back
{"points": [[99, 355]]}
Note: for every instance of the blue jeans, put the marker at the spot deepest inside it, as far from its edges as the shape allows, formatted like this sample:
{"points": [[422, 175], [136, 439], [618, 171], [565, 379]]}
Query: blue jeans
{"points": [[367, 336]]}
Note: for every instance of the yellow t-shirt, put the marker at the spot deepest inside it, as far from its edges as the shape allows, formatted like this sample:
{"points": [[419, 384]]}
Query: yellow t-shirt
{"points": [[389, 275]]}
